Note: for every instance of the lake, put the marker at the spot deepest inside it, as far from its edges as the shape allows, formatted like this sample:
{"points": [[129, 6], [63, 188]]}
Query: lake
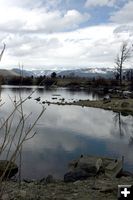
{"points": [[64, 133]]}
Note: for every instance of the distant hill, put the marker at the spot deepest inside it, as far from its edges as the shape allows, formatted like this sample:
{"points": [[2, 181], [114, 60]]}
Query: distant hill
{"points": [[25, 72], [33, 72], [8, 73]]}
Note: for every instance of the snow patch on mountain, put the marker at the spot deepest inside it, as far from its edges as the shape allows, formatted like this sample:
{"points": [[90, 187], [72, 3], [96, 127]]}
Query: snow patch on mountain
{"points": [[84, 72]]}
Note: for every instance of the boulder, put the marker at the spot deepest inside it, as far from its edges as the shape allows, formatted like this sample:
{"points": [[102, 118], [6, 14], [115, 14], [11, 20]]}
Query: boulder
{"points": [[113, 169], [89, 164], [83, 168], [75, 175], [10, 167]]}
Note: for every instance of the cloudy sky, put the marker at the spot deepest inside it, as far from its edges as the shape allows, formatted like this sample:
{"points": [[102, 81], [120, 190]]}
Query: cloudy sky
{"points": [[52, 34]]}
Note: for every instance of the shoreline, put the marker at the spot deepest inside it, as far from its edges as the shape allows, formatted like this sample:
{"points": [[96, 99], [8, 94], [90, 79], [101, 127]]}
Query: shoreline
{"points": [[125, 106], [100, 188]]}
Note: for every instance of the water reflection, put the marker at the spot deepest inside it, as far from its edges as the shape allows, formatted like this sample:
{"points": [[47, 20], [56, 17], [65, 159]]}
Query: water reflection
{"points": [[66, 132], [123, 126], [47, 94]]}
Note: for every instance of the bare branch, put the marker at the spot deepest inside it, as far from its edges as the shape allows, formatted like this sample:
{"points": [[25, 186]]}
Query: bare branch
{"points": [[1, 54], [121, 58]]}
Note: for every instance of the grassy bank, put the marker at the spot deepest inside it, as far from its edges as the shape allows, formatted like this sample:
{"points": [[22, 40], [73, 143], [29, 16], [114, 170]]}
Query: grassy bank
{"points": [[124, 106]]}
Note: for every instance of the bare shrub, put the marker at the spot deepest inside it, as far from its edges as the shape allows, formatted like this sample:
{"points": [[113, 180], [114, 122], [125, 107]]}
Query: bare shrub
{"points": [[15, 130]]}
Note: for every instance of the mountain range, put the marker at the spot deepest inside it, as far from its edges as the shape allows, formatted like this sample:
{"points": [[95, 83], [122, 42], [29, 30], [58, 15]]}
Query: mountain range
{"points": [[83, 72]]}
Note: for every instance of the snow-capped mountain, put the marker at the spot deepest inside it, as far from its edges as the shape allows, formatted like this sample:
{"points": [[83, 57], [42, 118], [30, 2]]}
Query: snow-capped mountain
{"points": [[89, 72], [84, 72]]}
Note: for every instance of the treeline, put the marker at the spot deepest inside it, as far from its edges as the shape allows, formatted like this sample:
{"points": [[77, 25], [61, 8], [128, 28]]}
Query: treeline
{"points": [[16, 80], [68, 81], [29, 80]]}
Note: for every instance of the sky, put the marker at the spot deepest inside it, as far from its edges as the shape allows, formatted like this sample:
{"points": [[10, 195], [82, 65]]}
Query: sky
{"points": [[64, 34]]}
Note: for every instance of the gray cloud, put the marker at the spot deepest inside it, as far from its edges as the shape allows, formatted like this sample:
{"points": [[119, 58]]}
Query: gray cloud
{"points": [[123, 15]]}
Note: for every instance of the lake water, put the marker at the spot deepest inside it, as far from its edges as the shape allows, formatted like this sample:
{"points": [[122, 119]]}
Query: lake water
{"points": [[66, 132]]}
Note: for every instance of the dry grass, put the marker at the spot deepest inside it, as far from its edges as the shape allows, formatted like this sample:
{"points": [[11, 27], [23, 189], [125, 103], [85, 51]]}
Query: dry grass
{"points": [[117, 105]]}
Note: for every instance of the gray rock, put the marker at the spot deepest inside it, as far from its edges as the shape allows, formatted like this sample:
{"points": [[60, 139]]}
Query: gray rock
{"points": [[76, 175], [50, 179], [91, 165], [113, 168]]}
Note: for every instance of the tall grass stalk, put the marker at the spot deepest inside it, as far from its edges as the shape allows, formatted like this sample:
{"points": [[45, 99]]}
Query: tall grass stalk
{"points": [[14, 132]]}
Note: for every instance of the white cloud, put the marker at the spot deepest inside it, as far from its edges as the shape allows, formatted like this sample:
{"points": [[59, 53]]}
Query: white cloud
{"points": [[37, 35], [79, 48], [93, 3], [39, 20], [124, 15]]}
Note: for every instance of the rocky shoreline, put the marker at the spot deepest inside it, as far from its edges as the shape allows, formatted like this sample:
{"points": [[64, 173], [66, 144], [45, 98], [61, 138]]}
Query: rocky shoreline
{"points": [[101, 181], [91, 188]]}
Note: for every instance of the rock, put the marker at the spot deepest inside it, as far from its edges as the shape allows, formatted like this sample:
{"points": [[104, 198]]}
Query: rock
{"points": [[125, 174], [107, 189], [126, 92], [77, 182], [107, 99], [38, 98], [125, 179], [28, 180], [43, 181], [83, 168], [11, 170], [50, 179], [91, 165], [75, 176], [113, 168]]}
